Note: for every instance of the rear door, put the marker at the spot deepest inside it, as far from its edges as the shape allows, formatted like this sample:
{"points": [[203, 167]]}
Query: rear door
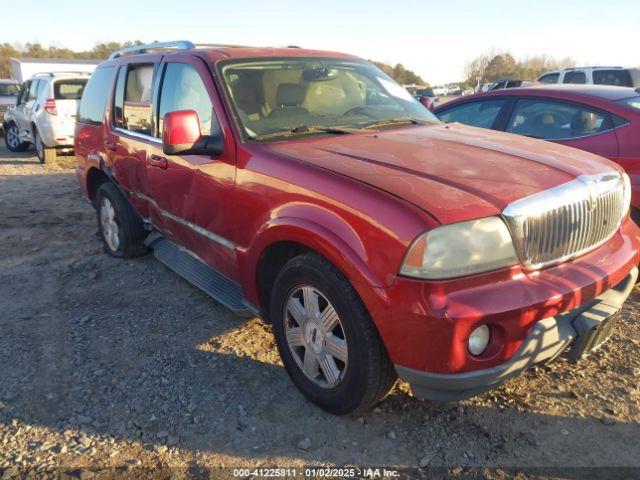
{"points": [[32, 106], [568, 123], [132, 131]]}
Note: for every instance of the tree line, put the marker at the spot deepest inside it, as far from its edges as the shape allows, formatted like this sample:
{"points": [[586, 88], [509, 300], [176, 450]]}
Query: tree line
{"points": [[489, 66], [494, 65], [35, 50], [102, 50]]}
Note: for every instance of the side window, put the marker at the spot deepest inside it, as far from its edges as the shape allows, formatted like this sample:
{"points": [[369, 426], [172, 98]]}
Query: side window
{"points": [[95, 95], [575, 77], [183, 89], [549, 78], [137, 98], [556, 120], [33, 90], [620, 78], [478, 114]]}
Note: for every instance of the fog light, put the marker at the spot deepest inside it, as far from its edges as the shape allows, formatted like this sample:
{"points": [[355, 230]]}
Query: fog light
{"points": [[479, 339]]}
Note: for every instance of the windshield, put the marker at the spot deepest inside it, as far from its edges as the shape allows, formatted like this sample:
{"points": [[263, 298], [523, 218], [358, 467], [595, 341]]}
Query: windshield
{"points": [[8, 89], [316, 96]]}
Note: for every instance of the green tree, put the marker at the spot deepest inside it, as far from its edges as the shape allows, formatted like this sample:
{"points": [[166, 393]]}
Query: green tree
{"points": [[35, 50]]}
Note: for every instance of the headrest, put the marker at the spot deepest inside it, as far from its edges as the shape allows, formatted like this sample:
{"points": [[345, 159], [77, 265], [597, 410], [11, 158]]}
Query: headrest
{"points": [[245, 92], [290, 95]]}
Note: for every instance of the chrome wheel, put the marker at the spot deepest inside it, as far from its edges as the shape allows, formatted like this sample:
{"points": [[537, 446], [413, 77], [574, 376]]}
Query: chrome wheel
{"points": [[315, 336], [39, 146], [109, 225], [13, 137]]}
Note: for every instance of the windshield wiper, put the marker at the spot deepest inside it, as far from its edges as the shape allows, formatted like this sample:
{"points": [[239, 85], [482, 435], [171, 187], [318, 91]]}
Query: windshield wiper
{"points": [[396, 121], [304, 129]]}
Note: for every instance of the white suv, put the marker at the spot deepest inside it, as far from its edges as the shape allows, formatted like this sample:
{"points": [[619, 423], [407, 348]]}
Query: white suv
{"points": [[45, 114], [617, 76]]}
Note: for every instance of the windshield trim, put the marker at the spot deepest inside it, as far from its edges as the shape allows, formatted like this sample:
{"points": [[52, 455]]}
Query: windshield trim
{"points": [[244, 136]]}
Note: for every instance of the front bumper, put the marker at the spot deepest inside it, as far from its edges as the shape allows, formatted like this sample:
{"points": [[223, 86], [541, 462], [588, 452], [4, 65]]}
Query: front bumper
{"points": [[546, 340]]}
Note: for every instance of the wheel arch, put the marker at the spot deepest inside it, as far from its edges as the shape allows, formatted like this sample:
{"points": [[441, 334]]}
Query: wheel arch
{"points": [[284, 238], [95, 178]]}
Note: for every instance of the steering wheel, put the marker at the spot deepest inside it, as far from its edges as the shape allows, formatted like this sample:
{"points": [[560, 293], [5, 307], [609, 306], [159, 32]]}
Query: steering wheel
{"points": [[358, 111]]}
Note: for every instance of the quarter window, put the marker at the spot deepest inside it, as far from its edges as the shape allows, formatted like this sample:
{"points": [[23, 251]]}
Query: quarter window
{"points": [[478, 114], [575, 77], [551, 120], [183, 89], [620, 78], [34, 89], [137, 99], [94, 98]]}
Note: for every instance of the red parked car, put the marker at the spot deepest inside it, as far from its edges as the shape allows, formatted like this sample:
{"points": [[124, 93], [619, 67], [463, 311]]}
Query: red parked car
{"points": [[600, 119], [309, 188]]}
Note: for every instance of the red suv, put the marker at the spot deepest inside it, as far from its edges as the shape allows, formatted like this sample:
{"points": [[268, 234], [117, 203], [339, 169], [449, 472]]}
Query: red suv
{"points": [[309, 188]]}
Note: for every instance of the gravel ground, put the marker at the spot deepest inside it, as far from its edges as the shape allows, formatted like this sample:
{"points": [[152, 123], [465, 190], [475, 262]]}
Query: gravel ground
{"points": [[111, 363]]}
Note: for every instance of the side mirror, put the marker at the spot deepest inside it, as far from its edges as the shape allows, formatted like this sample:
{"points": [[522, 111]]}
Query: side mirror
{"points": [[181, 135]]}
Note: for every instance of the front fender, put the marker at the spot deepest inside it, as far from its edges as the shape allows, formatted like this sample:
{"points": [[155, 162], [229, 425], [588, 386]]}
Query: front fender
{"points": [[335, 240]]}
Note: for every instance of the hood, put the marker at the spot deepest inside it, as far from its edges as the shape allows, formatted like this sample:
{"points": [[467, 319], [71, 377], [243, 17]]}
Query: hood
{"points": [[452, 171]]}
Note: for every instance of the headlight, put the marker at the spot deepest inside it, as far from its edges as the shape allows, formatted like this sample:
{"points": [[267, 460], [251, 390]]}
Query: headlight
{"points": [[627, 194], [460, 249]]}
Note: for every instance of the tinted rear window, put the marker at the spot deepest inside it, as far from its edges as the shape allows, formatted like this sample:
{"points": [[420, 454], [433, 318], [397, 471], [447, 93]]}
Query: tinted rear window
{"points": [[94, 98], [549, 78], [69, 89], [620, 78], [575, 77], [426, 92]]}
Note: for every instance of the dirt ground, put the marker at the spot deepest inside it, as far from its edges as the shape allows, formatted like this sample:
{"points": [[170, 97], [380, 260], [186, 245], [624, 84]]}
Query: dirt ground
{"points": [[106, 363]]}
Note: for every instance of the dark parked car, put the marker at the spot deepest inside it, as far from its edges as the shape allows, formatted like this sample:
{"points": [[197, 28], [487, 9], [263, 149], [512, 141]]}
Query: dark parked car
{"points": [[599, 119], [427, 97]]}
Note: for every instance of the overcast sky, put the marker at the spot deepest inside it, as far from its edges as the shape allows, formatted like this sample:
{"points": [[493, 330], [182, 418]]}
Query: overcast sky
{"points": [[435, 39]]}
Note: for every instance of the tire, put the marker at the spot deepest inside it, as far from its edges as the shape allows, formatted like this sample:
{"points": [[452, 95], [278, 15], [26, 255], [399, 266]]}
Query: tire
{"points": [[120, 226], [363, 374], [12, 138], [45, 154]]}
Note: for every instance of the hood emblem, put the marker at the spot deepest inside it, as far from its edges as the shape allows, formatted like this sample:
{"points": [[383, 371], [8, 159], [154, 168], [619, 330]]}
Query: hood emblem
{"points": [[592, 188]]}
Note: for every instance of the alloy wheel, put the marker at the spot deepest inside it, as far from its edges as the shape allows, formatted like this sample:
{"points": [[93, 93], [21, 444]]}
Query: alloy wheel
{"points": [[109, 226], [315, 336], [13, 138]]}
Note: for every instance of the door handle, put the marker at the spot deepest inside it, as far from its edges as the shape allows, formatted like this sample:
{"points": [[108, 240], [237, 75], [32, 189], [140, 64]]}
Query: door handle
{"points": [[159, 162], [110, 145]]}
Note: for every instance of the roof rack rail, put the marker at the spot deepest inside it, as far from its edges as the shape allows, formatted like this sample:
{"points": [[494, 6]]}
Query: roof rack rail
{"points": [[57, 72], [219, 45], [177, 45]]}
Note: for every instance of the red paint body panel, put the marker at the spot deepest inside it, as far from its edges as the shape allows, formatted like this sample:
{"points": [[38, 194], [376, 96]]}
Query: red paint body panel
{"points": [[360, 200]]}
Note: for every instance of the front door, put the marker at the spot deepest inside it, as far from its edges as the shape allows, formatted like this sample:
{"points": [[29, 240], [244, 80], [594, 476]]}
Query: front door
{"points": [[189, 189]]}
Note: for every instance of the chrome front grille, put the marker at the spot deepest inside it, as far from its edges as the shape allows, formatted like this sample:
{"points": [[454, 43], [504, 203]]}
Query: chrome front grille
{"points": [[568, 220]]}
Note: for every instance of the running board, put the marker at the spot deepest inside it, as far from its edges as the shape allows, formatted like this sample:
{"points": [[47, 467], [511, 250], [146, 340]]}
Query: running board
{"points": [[207, 279]]}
